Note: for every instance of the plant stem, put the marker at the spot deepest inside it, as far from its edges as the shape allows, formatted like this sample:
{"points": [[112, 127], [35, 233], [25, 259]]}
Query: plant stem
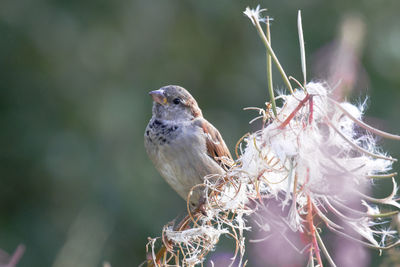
{"points": [[302, 49], [324, 250], [383, 215], [273, 56], [312, 229], [382, 176], [269, 72]]}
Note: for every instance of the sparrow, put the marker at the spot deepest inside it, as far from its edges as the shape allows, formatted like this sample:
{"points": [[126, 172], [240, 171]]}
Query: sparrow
{"points": [[183, 146]]}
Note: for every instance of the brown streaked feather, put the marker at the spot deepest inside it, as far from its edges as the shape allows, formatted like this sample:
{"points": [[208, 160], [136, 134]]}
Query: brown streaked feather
{"points": [[216, 147], [194, 108]]}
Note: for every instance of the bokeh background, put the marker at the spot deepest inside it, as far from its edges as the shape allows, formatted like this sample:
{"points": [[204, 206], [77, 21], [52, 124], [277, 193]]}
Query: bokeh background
{"points": [[76, 187]]}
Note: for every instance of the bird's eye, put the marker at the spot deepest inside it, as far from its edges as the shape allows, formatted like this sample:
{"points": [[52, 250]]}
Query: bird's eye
{"points": [[177, 101]]}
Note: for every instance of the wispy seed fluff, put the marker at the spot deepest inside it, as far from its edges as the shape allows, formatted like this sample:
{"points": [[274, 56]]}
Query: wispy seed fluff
{"points": [[314, 141], [313, 152], [314, 161]]}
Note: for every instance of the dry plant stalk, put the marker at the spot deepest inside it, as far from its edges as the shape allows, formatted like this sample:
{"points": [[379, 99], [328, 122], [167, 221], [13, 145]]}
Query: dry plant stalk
{"points": [[314, 157]]}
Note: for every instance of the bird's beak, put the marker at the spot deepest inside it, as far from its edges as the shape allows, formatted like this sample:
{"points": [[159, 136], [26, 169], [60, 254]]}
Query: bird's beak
{"points": [[158, 96]]}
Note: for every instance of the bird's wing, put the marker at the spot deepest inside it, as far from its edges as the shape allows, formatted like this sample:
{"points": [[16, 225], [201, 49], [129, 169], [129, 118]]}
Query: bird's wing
{"points": [[216, 147]]}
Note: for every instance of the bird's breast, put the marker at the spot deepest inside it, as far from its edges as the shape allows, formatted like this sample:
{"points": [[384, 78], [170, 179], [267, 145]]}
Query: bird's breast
{"points": [[179, 153]]}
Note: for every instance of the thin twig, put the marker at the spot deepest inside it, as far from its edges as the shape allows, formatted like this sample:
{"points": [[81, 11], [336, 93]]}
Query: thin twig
{"points": [[357, 147], [364, 125], [382, 176], [269, 71], [302, 49], [324, 250], [293, 113], [272, 53], [383, 215]]}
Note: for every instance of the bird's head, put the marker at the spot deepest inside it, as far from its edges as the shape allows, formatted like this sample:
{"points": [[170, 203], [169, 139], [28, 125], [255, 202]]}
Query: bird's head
{"points": [[175, 103]]}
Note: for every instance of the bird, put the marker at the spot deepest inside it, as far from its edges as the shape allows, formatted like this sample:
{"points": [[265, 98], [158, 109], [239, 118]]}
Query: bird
{"points": [[183, 146]]}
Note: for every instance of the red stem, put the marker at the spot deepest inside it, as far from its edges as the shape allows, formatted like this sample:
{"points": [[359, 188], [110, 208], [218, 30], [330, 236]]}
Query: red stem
{"points": [[312, 231], [311, 226], [311, 107], [290, 117]]}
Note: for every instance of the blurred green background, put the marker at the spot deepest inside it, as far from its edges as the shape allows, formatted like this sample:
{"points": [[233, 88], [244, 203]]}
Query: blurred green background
{"points": [[76, 186]]}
